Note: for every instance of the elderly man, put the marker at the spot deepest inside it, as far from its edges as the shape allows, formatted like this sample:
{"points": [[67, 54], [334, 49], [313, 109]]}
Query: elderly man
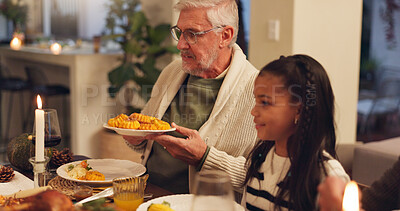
{"points": [[208, 93]]}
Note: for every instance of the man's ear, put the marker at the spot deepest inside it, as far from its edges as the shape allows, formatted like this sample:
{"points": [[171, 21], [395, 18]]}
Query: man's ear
{"points": [[226, 36]]}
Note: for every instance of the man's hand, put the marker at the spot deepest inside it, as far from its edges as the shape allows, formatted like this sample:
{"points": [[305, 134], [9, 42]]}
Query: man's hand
{"points": [[189, 150], [134, 140]]}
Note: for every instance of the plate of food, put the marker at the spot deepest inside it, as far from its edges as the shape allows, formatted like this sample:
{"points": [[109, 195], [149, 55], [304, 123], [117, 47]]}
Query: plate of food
{"points": [[178, 202], [137, 125], [99, 171]]}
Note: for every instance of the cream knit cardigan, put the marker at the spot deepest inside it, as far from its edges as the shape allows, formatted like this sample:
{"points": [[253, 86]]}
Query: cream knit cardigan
{"points": [[229, 131]]}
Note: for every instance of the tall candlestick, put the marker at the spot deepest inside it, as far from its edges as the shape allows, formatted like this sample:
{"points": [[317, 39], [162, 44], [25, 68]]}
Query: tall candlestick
{"points": [[39, 139], [350, 197]]}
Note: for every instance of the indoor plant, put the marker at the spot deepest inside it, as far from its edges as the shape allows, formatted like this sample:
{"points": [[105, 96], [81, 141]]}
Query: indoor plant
{"points": [[142, 44], [15, 12]]}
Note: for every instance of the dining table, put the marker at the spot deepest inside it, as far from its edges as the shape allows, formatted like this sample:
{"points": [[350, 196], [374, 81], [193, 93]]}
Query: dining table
{"points": [[85, 73], [151, 189]]}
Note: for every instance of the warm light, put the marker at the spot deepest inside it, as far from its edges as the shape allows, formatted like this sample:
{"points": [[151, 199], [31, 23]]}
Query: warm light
{"points": [[350, 198], [39, 102], [55, 48], [15, 43]]}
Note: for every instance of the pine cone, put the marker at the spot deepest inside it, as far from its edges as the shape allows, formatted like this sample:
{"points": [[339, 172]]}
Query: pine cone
{"points": [[60, 158], [6, 174]]}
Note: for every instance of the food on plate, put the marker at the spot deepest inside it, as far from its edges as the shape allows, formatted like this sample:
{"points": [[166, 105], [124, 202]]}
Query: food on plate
{"points": [[44, 201], [94, 175], [146, 126], [130, 124], [164, 206], [141, 118], [121, 122], [77, 172], [49, 200], [138, 121], [83, 171], [161, 125], [9, 201]]}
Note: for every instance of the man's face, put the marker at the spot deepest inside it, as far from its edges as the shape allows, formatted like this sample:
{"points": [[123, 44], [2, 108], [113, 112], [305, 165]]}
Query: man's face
{"points": [[200, 56]]}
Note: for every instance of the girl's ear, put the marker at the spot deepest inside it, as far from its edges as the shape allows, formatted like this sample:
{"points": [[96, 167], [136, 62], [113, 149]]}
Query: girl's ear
{"points": [[226, 36]]}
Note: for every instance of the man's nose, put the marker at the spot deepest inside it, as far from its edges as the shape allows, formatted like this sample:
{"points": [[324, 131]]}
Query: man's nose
{"points": [[182, 43]]}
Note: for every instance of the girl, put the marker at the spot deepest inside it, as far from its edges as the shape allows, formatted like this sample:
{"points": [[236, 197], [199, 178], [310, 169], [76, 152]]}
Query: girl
{"points": [[294, 117]]}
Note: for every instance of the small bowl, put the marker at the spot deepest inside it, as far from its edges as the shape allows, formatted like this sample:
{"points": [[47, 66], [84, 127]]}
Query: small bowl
{"points": [[82, 192]]}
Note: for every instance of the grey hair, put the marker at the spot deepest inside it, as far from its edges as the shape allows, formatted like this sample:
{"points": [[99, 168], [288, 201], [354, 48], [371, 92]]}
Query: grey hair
{"points": [[220, 13]]}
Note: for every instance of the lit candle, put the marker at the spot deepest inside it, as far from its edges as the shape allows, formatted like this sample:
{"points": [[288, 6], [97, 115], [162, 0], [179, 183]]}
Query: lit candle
{"points": [[15, 43], [56, 48], [350, 198], [39, 139]]}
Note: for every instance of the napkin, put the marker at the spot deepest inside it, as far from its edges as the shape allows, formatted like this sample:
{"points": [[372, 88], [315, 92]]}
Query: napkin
{"points": [[18, 183]]}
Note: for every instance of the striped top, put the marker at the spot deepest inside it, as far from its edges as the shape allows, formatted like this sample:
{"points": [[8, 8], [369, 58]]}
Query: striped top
{"points": [[260, 192]]}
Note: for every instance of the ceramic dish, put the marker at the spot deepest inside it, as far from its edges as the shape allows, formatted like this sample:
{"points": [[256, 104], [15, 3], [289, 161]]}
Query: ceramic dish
{"points": [[134, 132], [111, 168], [178, 202]]}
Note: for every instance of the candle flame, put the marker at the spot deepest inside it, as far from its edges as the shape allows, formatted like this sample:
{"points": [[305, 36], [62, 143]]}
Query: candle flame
{"points": [[56, 48], [39, 102], [15, 43], [350, 198]]}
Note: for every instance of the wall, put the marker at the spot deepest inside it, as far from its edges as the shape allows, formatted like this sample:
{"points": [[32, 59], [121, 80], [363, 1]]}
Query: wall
{"points": [[91, 18], [261, 49], [329, 31], [3, 28]]}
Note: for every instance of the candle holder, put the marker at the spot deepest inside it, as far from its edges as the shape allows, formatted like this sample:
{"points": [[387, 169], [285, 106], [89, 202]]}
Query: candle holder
{"points": [[39, 171]]}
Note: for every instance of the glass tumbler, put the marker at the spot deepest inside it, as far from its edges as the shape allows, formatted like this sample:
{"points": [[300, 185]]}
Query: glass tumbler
{"points": [[129, 192], [213, 191]]}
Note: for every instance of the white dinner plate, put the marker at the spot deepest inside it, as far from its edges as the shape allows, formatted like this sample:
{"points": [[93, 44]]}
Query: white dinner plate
{"points": [[111, 168], [178, 202], [134, 132]]}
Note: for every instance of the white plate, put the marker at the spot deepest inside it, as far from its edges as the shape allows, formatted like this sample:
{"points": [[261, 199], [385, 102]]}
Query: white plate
{"points": [[111, 168], [18, 183], [179, 202], [134, 132]]}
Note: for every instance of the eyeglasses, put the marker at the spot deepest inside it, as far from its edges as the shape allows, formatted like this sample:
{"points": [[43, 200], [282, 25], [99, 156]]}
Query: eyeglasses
{"points": [[190, 36]]}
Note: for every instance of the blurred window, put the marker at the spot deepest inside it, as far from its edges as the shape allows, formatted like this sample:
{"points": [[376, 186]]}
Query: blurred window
{"points": [[64, 18], [379, 87]]}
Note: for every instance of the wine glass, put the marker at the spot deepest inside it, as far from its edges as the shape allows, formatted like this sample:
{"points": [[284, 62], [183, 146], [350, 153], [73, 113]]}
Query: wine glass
{"points": [[213, 191], [52, 134]]}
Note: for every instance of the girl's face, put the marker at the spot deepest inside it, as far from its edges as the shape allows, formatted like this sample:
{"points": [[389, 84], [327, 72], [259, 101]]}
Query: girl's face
{"points": [[274, 113]]}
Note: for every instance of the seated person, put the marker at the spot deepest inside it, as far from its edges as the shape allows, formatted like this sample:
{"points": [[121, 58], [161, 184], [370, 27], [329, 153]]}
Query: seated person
{"points": [[294, 117], [383, 194], [208, 91]]}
